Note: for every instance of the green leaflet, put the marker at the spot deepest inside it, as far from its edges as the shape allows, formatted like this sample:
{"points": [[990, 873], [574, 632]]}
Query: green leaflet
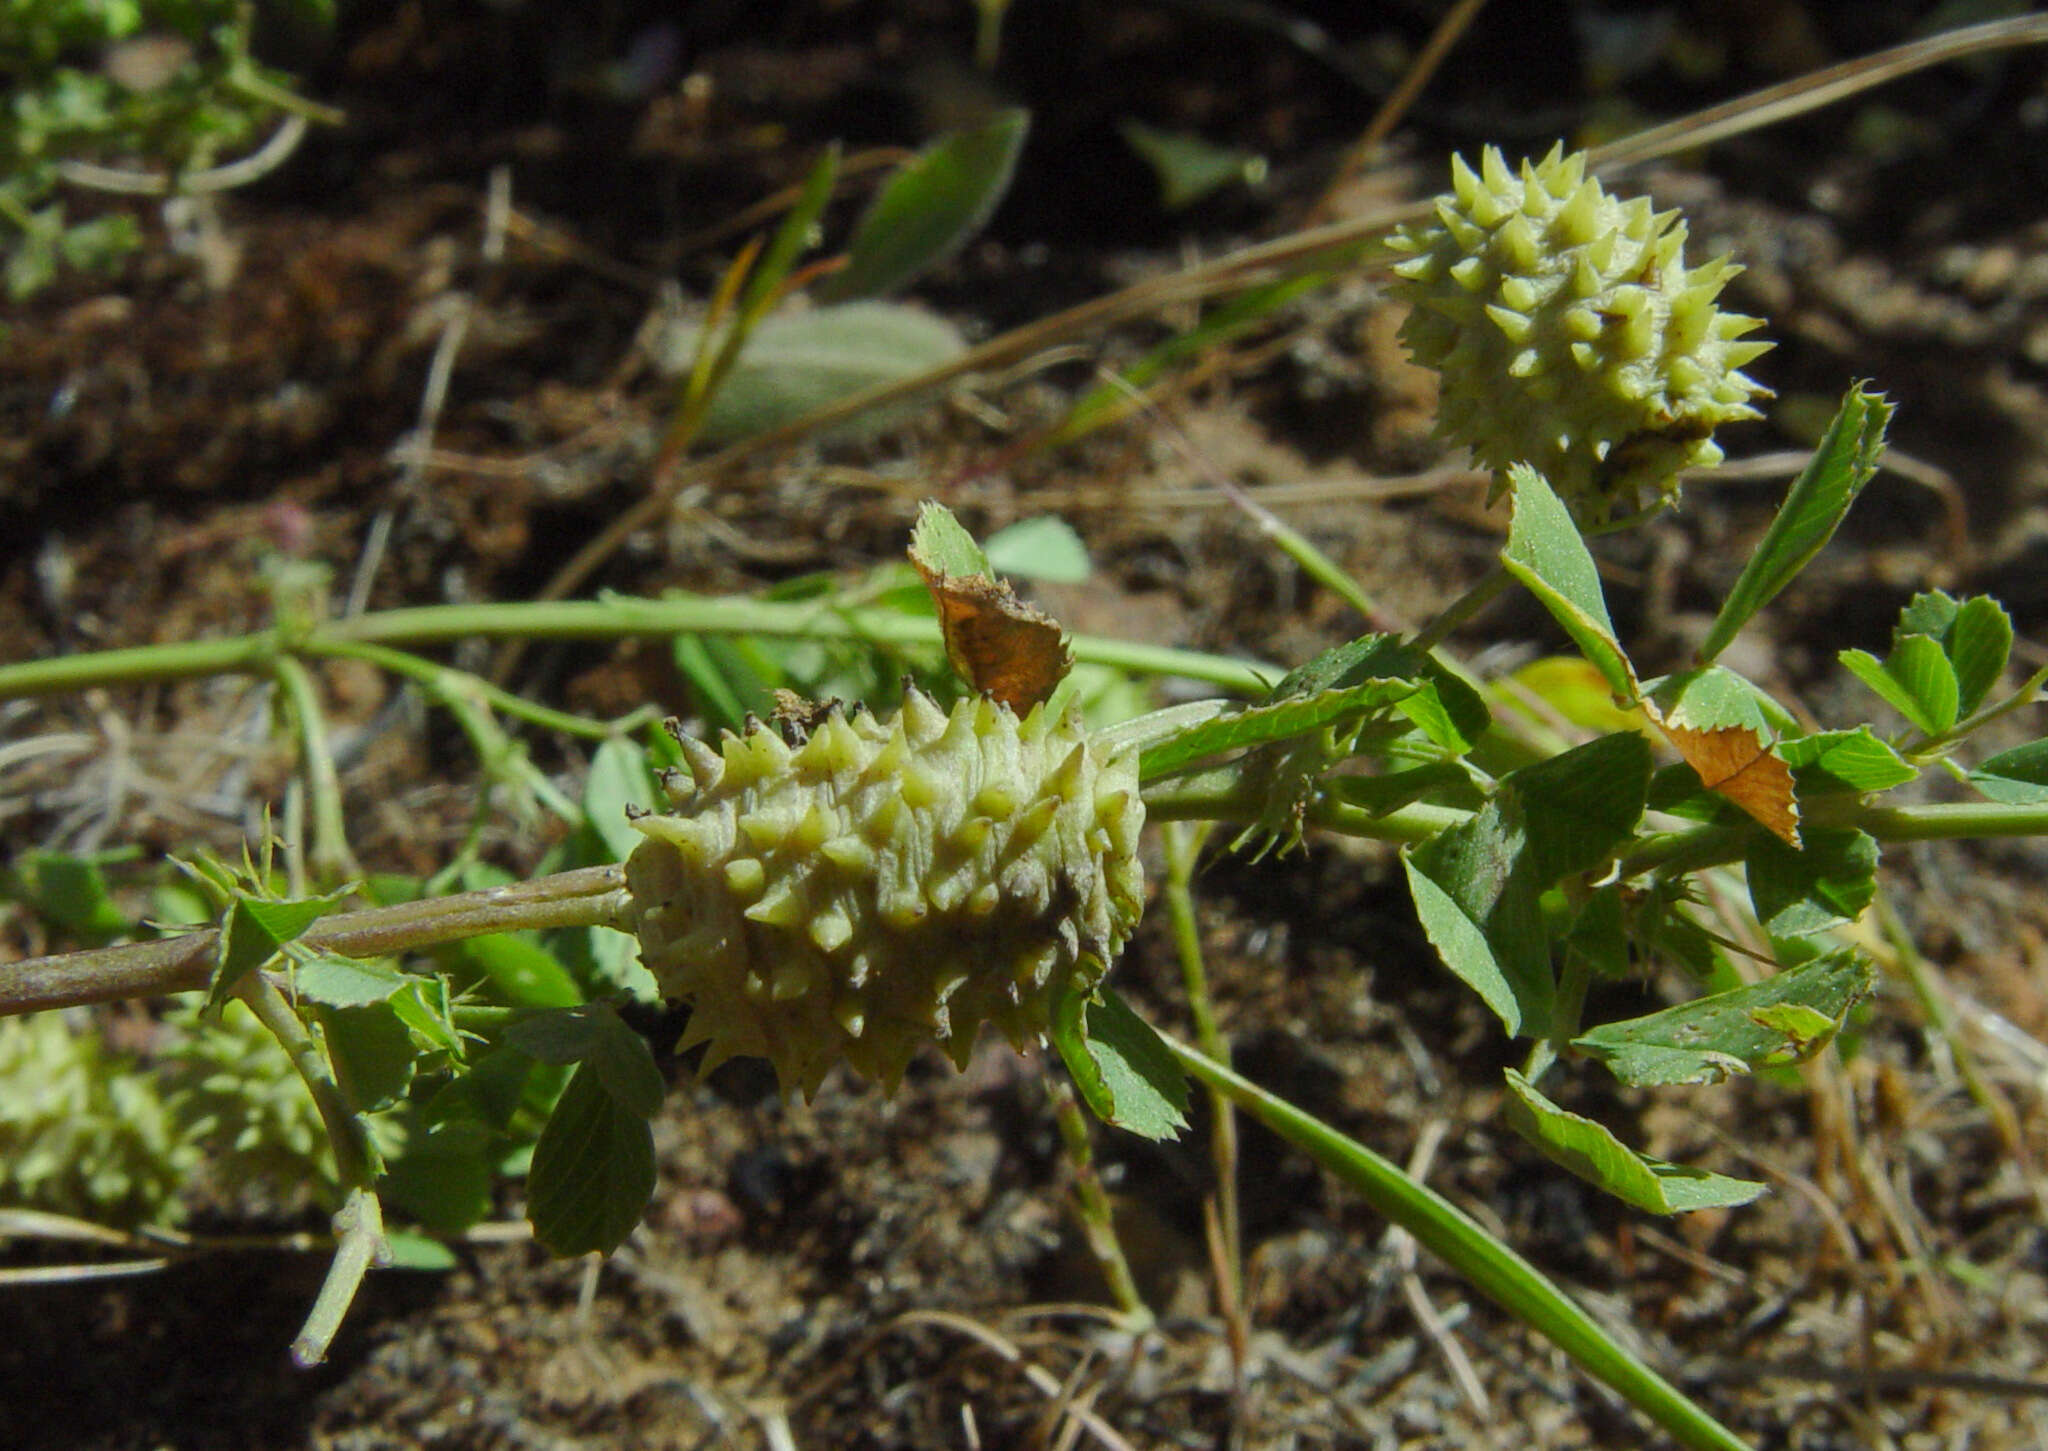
{"points": [[1710, 1038], [1124, 1072], [1597, 1156], [1812, 511]]}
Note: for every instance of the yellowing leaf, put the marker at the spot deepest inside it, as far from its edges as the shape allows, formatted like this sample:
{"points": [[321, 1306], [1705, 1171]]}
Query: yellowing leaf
{"points": [[1736, 762]]}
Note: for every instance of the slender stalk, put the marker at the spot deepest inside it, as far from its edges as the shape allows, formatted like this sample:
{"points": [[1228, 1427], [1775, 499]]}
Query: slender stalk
{"points": [[445, 683], [332, 858], [1696, 848], [1183, 849], [2028, 694], [1463, 608], [1816, 89], [1224, 795], [1574, 978], [256, 87], [359, 1223], [589, 897], [139, 665], [615, 617], [1092, 1207], [1495, 1270], [1932, 823], [503, 759]]}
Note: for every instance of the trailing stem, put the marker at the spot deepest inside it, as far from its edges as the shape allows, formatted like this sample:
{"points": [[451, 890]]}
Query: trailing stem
{"points": [[590, 897]]}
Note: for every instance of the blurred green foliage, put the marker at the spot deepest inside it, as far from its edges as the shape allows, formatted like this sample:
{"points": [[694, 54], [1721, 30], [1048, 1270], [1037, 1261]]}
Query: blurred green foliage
{"points": [[158, 88]]}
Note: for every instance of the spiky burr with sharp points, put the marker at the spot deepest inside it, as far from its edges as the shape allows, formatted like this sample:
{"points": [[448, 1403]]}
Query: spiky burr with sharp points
{"points": [[884, 884], [1569, 334]]}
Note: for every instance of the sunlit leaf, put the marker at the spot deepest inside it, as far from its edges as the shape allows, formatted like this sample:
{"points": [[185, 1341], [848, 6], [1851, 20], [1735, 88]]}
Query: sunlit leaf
{"points": [[419, 1252], [1575, 690], [1707, 1039], [1854, 760], [2018, 777], [1916, 680], [1044, 548], [1124, 1073], [1597, 1156], [256, 933], [347, 982], [1979, 644], [424, 1007], [1254, 725], [1815, 506], [524, 973], [1546, 553], [941, 544], [1188, 167]]}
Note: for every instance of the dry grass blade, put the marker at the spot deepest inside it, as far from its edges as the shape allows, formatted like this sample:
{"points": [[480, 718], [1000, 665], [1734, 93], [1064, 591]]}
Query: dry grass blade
{"points": [[1821, 88], [1456, 21], [1041, 1379]]}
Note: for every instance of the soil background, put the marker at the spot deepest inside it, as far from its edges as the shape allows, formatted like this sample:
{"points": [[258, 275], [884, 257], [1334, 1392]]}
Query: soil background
{"points": [[822, 1275]]}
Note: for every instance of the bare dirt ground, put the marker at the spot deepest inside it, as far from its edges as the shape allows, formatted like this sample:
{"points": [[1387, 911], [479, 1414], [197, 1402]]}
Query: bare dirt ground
{"points": [[867, 1272]]}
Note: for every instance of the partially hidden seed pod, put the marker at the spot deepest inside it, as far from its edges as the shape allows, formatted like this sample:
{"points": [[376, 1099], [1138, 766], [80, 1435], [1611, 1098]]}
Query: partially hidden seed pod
{"points": [[1569, 334], [886, 884]]}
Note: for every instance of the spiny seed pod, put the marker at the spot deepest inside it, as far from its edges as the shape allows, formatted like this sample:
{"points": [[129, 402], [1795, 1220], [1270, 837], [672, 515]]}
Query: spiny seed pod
{"points": [[885, 884], [1569, 334]]}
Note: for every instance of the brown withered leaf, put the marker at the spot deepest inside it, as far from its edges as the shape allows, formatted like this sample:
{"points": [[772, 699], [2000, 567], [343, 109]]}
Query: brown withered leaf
{"points": [[1001, 646], [1736, 762]]}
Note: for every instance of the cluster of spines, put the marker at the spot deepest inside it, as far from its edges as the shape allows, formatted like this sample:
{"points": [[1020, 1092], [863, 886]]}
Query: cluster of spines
{"points": [[1569, 333], [880, 885]]}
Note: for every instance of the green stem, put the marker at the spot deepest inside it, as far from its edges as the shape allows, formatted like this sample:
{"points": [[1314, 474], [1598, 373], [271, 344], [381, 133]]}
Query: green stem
{"points": [[332, 858], [1699, 847], [1183, 843], [589, 897], [1092, 1206], [257, 87], [615, 617], [1932, 823], [1574, 978], [359, 1223], [1677, 853], [359, 1245], [1224, 794], [445, 683], [1495, 1270], [139, 665], [1463, 608]]}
